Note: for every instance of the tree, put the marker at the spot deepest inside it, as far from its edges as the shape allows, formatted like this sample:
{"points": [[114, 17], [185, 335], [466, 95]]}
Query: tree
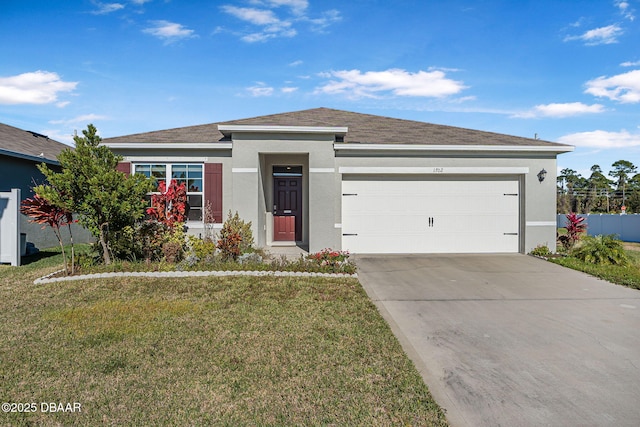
{"points": [[633, 203], [621, 171], [599, 188], [89, 185], [573, 180]]}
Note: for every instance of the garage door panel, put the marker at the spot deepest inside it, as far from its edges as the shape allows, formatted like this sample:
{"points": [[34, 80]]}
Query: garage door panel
{"points": [[430, 216]]}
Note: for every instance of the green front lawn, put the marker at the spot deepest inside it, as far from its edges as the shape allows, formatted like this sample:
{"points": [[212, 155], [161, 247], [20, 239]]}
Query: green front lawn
{"points": [[203, 351]]}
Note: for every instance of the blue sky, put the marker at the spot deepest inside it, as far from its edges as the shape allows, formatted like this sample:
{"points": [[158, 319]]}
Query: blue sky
{"points": [[568, 71]]}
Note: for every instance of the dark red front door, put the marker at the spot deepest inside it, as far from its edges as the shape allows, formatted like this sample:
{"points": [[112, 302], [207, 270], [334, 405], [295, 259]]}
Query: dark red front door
{"points": [[287, 208]]}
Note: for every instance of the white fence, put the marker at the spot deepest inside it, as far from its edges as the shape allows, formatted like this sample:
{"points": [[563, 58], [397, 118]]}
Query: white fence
{"points": [[10, 227], [626, 227]]}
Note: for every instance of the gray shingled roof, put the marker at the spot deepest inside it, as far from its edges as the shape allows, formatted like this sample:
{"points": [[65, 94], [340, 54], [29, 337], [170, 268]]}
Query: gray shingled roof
{"points": [[363, 128], [28, 143]]}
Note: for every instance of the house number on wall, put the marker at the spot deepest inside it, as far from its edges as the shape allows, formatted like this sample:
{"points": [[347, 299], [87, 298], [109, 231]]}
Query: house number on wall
{"points": [[438, 170]]}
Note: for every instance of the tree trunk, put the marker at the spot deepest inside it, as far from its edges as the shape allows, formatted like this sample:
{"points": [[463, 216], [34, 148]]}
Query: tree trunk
{"points": [[103, 243], [64, 254], [73, 253]]}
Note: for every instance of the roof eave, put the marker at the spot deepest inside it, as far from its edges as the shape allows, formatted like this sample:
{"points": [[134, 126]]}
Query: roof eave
{"points": [[449, 148], [37, 159], [171, 145], [227, 130]]}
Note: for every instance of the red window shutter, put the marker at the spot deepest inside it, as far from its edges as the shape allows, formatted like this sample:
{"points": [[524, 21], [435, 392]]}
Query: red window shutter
{"points": [[124, 167], [213, 188]]}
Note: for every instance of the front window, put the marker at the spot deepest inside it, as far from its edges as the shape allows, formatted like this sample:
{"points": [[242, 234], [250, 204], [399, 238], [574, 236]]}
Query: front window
{"points": [[189, 174]]}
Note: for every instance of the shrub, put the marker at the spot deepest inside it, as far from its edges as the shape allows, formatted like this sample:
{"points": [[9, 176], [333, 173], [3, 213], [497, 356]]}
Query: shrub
{"points": [[201, 248], [235, 237], [329, 258], [143, 240], [170, 206], [575, 228], [172, 251], [229, 244], [541, 250], [243, 229], [601, 250]]}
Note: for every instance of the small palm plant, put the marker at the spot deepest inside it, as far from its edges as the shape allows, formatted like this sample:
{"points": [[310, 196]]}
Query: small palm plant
{"points": [[601, 250], [575, 228], [42, 211]]}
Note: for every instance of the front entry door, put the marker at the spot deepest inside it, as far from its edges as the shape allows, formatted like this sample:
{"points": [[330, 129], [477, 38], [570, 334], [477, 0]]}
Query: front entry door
{"points": [[287, 209]]}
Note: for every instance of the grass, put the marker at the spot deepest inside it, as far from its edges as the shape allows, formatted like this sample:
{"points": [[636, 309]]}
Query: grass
{"points": [[203, 351], [627, 276]]}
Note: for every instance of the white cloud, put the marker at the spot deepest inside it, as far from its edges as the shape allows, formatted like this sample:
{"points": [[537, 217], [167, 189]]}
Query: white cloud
{"points": [[598, 36], [356, 84], [561, 110], [60, 136], [105, 8], [260, 89], [288, 89], [327, 18], [83, 119], [630, 64], [271, 25], [602, 139], [168, 31], [624, 88], [296, 63], [625, 9], [298, 7], [39, 87], [251, 15], [272, 22]]}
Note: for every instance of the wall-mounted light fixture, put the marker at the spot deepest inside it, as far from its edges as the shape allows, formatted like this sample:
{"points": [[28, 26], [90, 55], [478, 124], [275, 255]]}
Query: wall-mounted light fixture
{"points": [[542, 175]]}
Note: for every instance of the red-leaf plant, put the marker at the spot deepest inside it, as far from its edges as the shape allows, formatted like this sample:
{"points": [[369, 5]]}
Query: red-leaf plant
{"points": [[169, 207], [41, 211], [575, 227]]}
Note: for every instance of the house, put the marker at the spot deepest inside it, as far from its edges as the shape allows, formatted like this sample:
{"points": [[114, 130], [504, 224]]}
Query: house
{"points": [[20, 153], [325, 178]]}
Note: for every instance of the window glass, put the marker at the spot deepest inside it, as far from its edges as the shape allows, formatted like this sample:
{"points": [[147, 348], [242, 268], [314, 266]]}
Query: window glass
{"points": [[195, 207], [179, 172], [158, 172], [190, 175]]}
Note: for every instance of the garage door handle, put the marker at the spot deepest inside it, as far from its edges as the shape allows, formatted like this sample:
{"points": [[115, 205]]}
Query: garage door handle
{"points": [[510, 234], [349, 234], [349, 194], [510, 194]]}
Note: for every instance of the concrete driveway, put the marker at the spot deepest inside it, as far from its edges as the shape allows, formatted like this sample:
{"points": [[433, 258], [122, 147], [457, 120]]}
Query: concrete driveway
{"points": [[511, 340]]}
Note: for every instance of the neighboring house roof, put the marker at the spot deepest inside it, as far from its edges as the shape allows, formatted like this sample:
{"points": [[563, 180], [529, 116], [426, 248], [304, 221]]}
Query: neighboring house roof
{"points": [[362, 128], [29, 145]]}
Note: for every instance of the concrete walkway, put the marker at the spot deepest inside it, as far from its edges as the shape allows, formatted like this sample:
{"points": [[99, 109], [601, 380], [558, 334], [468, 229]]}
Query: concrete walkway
{"points": [[511, 340]]}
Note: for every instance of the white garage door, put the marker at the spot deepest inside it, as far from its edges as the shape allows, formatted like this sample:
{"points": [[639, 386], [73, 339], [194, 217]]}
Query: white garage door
{"points": [[435, 215]]}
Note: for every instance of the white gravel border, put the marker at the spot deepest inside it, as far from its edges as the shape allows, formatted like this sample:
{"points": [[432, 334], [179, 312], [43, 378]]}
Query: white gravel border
{"points": [[49, 279]]}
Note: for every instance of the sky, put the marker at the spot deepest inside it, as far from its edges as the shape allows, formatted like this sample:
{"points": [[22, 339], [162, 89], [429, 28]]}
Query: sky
{"points": [[559, 70]]}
